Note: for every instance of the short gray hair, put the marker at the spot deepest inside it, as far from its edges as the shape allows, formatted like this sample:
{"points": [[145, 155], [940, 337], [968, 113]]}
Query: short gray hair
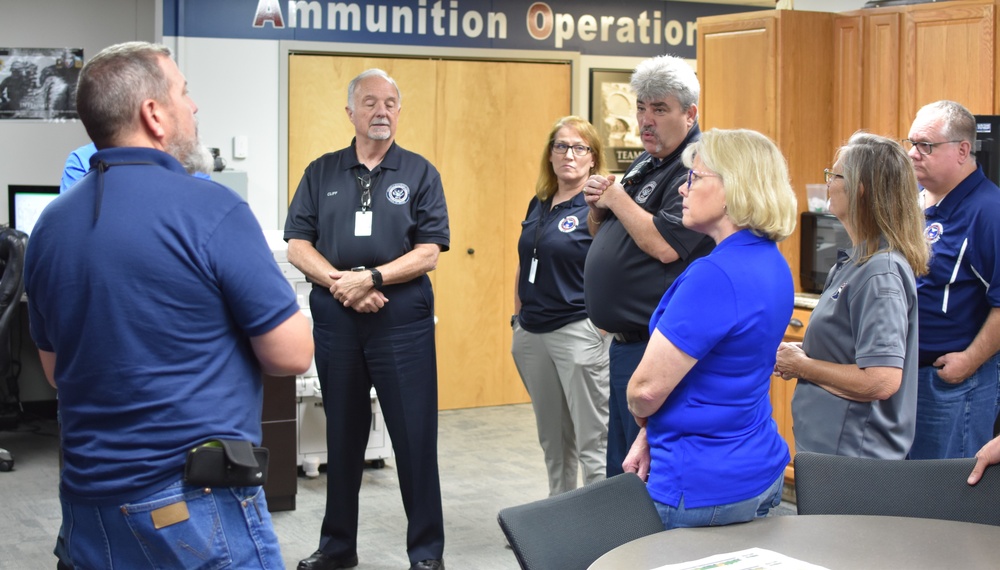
{"points": [[373, 72], [114, 83], [958, 123], [659, 77]]}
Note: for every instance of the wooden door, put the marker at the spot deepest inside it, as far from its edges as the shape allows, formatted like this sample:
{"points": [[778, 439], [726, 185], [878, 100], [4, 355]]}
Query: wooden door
{"points": [[881, 85], [848, 77], [948, 53], [483, 125]]}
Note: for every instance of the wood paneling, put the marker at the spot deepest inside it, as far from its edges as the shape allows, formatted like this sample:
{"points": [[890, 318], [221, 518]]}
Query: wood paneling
{"points": [[772, 72], [848, 76], [483, 124], [881, 86], [949, 52]]}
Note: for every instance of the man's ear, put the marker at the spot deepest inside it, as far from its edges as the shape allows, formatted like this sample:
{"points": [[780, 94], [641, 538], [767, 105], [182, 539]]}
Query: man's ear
{"points": [[152, 114]]}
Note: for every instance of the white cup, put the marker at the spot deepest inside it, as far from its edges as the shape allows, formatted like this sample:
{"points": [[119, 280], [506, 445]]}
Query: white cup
{"points": [[816, 198]]}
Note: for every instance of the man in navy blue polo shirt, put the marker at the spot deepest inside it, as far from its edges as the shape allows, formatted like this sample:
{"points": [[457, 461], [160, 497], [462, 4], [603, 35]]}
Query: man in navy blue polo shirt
{"points": [[365, 226], [640, 245], [959, 382]]}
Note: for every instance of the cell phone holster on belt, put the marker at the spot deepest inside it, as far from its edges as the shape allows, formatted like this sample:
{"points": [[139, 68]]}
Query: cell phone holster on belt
{"points": [[226, 463]]}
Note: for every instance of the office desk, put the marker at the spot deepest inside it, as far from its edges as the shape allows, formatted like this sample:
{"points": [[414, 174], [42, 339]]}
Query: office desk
{"points": [[833, 541]]}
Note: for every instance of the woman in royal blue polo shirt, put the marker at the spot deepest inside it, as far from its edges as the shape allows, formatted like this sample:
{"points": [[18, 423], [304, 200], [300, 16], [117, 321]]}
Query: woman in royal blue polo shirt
{"points": [[712, 452], [561, 356]]}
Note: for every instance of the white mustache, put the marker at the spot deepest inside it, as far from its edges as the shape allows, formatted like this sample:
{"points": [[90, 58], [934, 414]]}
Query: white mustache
{"points": [[380, 123]]}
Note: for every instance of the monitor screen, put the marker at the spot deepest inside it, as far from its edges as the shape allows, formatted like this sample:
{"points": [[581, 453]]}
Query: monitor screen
{"points": [[25, 204]]}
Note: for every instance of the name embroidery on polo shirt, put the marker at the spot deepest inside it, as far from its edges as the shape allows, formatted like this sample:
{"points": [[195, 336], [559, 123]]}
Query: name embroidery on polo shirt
{"points": [[933, 232], [568, 224], [643, 194], [398, 194]]}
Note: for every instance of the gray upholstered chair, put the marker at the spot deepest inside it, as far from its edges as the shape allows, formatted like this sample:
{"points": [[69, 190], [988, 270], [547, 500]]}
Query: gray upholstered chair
{"points": [[927, 488], [572, 530]]}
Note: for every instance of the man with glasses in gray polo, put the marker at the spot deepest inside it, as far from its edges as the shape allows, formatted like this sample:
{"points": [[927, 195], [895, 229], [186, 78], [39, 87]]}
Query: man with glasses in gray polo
{"points": [[640, 245], [958, 380]]}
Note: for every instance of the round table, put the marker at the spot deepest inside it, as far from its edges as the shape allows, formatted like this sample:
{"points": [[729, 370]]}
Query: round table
{"points": [[834, 541]]}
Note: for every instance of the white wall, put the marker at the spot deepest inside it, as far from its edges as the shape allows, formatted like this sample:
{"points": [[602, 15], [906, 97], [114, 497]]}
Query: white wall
{"points": [[33, 152], [828, 5]]}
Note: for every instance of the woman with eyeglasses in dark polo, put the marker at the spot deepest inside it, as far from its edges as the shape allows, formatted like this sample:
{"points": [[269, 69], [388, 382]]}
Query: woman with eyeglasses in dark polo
{"points": [[857, 365], [561, 356], [712, 453]]}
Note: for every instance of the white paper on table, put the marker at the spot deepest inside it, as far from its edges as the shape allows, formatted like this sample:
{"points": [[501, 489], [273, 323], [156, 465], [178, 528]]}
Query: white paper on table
{"points": [[749, 559]]}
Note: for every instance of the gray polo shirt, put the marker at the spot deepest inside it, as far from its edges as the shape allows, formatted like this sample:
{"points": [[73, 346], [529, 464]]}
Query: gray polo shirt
{"points": [[866, 315]]}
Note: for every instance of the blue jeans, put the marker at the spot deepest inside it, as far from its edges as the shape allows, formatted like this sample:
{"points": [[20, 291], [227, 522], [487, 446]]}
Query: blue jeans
{"points": [[955, 420], [623, 359], [719, 515], [219, 528]]}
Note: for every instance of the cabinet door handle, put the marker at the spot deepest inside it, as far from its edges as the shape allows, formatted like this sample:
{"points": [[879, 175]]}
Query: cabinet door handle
{"points": [[795, 323]]}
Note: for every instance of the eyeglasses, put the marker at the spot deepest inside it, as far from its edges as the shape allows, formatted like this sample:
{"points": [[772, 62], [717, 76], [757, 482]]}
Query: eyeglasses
{"points": [[563, 148], [829, 175], [694, 176], [924, 148]]}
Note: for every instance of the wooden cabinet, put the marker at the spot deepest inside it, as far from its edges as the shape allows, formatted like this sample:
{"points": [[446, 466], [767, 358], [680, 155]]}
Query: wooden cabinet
{"points": [[771, 71], [889, 62], [782, 390]]}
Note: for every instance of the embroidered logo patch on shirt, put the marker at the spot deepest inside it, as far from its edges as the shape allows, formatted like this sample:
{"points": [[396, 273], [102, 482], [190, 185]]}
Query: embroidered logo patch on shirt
{"points": [[568, 224], [933, 232], [398, 194], [643, 194]]}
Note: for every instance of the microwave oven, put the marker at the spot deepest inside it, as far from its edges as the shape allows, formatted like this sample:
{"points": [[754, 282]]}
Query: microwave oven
{"points": [[821, 235]]}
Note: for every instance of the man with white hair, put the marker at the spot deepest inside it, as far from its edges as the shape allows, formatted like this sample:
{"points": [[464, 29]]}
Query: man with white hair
{"points": [[366, 225], [959, 309]]}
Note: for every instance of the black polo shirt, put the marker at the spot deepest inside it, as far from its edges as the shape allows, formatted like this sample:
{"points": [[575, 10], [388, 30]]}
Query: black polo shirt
{"points": [[622, 283], [407, 207]]}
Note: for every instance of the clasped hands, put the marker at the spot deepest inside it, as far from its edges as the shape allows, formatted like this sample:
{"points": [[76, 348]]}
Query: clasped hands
{"points": [[355, 289], [789, 354], [598, 191]]}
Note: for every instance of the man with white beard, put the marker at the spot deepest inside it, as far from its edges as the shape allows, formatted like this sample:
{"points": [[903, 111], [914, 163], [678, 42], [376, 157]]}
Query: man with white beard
{"points": [[365, 226]]}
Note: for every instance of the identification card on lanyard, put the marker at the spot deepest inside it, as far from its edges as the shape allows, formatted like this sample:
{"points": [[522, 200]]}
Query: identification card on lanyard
{"points": [[363, 218]]}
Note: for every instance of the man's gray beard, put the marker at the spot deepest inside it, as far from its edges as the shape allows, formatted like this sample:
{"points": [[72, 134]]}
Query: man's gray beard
{"points": [[193, 156]]}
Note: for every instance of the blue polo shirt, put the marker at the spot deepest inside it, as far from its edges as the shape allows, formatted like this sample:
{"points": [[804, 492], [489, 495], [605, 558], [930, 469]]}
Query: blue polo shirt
{"points": [[955, 297], [713, 441], [407, 207], [558, 238]]}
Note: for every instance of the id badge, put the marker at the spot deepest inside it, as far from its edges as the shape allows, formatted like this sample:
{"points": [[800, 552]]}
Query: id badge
{"points": [[363, 223], [531, 273]]}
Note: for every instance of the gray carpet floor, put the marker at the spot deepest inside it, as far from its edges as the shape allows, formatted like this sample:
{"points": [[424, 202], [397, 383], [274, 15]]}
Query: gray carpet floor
{"points": [[489, 459]]}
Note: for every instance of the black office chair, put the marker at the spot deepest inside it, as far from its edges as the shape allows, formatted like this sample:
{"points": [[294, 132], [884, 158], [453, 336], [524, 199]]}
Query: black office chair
{"points": [[572, 530], [926, 488], [12, 246]]}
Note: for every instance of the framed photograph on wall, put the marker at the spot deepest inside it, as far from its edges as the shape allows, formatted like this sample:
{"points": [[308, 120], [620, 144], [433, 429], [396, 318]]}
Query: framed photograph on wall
{"points": [[39, 83], [612, 112]]}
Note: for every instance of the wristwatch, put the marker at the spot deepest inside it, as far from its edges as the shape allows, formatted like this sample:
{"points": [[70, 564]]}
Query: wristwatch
{"points": [[513, 319], [376, 277]]}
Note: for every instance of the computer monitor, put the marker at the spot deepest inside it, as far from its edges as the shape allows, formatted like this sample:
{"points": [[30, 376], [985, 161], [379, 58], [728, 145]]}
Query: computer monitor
{"points": [[25, 204], [988, 145]]}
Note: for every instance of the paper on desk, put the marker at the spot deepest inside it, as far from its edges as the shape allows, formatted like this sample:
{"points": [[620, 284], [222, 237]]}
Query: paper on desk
{"points": [[749, 559]]}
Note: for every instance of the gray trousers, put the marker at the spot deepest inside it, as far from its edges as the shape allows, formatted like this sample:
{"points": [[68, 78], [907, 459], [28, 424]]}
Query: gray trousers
{"points": [[566, 373]]}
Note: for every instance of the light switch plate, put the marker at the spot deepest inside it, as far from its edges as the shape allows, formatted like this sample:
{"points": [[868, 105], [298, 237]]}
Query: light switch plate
{"points": [[240, 147]]}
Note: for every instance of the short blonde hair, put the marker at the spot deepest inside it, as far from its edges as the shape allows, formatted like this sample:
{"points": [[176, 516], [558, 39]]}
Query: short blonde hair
{"points": [[882, 192], [548, 183], [754, 178]]}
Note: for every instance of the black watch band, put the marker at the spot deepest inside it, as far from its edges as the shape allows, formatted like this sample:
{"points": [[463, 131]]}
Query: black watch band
{"points": [[376, 278]]}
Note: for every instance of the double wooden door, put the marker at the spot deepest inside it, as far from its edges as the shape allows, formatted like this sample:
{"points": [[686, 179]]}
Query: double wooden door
{"points": [[483, 124]]}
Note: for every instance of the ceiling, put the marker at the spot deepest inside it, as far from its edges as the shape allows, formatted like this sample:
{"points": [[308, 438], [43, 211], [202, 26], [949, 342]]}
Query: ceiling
{"points": [[758, 3]]}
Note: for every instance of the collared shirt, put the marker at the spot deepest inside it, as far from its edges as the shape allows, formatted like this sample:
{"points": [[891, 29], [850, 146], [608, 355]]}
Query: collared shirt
{"points": [[867, 315], [956, 295], [622, 283], [407, 207], [558, 238]]}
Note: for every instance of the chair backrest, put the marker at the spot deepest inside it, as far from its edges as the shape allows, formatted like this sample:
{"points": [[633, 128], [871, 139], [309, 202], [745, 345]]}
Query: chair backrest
{"points": [[12, 246], [572, 530], [926, 488]]}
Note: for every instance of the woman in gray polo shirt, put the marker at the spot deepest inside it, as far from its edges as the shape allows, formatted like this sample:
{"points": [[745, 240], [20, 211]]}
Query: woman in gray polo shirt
{"points": [[857, 364]]}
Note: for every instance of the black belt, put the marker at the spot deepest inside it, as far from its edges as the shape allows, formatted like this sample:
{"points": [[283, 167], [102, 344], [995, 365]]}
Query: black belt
{"points": [[630, 337]]}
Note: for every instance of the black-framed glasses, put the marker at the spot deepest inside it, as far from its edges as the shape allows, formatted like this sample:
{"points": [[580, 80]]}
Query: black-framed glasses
{"points": [[563, 148], [924, 147], [829, 175], [695, 175]]}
